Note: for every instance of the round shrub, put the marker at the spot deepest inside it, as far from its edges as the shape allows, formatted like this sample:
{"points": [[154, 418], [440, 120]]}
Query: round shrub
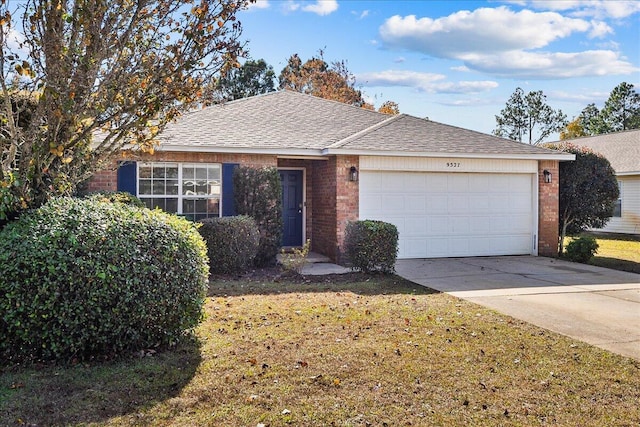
{"points": [[116, 197], [232, 243], [82, 278], [581, 249], [371, 245]]}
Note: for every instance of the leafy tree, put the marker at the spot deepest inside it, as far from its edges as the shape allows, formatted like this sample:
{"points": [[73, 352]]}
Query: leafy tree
{"points": [[529, 116], [588, 191], [622, 110], [124, 68], [389, 107], [254, 77], [573, 130], [591, 120], [316, 77]]}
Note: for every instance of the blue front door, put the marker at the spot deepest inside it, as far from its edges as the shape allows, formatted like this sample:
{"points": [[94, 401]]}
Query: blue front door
{"points": [[291, 207]]}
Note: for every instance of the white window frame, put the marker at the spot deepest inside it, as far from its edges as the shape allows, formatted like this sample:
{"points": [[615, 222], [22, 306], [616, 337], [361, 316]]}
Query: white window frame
{"points": [[180, 197], [617, 212]]}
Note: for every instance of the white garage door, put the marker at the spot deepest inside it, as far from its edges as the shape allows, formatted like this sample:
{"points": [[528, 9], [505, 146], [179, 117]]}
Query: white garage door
{"points": [[452, 214]]}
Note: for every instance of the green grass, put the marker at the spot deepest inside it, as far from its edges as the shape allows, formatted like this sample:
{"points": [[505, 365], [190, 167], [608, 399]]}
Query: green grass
{"points": [[348, 351], [617, 251]]}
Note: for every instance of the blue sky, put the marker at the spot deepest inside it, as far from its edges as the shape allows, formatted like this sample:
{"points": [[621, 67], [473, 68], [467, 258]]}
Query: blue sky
{"points": [[457, 62]]}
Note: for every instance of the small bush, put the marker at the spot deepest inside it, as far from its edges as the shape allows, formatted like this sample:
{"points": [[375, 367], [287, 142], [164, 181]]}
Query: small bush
{"points": [[232, 243], [581, 249], [296, 259], [81, 279], [116, 197], [371, 245], [258, 194]]}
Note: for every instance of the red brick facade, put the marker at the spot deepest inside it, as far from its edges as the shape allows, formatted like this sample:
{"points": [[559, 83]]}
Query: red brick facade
{"points": [[548, 208], [332, 200]]}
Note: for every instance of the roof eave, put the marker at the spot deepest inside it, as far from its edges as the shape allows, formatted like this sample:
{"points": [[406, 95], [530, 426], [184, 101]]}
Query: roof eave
{"points": [[533, 156], [307, 152]]}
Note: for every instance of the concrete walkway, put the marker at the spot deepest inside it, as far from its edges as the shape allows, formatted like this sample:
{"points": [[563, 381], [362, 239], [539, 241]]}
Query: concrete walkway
{"points": [[592, 304]]}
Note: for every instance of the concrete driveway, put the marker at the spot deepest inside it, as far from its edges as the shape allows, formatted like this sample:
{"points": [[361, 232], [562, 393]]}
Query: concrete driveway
{"points": [[592, 304]]}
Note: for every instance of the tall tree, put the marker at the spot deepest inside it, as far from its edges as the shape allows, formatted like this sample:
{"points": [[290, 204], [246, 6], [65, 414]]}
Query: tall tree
{"points": [[591, 120], [124, 68], [622, 110], [316, 77], [528, 117], [254, 77], [588, 191]]}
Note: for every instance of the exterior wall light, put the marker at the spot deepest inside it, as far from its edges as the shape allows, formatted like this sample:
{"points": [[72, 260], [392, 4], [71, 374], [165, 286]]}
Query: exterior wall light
{"points": [[547, 176], [353, 174]]}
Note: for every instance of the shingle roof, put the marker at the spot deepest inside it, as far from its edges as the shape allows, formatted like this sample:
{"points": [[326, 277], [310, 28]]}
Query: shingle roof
{"points": [[622, 149], [285, 121], [412, 134], [282, 119]]}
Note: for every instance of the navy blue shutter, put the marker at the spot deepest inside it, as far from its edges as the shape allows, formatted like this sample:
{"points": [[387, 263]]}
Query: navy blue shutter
{"points": [[127, 177], [228, 206]]}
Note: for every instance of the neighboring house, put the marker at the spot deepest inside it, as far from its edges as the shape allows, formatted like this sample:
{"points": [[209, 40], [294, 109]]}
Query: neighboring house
{"points": [[451, 192], [622, 149]]}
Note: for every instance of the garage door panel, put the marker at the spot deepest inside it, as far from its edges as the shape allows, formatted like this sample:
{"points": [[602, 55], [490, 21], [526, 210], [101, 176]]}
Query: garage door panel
{"points": [[371, 203], [416, 203], [452, 214]]}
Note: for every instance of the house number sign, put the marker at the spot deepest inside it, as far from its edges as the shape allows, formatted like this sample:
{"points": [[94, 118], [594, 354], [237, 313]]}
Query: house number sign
{"points": [[453, 164]]}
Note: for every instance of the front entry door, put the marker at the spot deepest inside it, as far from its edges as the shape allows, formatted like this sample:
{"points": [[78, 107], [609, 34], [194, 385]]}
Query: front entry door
{"points": [[292, 207]]}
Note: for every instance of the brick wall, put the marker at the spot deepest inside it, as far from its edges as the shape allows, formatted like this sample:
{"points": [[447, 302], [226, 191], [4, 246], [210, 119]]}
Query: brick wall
{"points": [[107, 179], [548, 209], [347, 199], [324, 207]]}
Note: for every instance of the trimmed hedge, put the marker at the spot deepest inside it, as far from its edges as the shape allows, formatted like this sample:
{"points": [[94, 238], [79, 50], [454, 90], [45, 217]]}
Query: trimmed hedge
{"points": [[116, 197], [81, 279], [258, 194], [581, 249], [232, 243], [371, 245]]}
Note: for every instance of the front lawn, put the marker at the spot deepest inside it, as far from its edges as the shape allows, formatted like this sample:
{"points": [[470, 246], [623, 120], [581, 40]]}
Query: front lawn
{"points": [[350, 351], [617, 251]]}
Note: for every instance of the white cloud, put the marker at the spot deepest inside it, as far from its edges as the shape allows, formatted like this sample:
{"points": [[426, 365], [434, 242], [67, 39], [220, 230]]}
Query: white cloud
{"points": [[507, 43], [290, 6], [461, 68], [546, 65], [360, 15], [259, 4], [601, 9], [599, 29], [582, 97], [322, 7], [426, 82], [483, 30]]}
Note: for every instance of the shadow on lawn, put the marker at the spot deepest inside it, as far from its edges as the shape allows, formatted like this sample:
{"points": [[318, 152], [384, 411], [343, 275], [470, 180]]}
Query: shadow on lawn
{"points": [[265, 283], [84, 394], [616, 264]]}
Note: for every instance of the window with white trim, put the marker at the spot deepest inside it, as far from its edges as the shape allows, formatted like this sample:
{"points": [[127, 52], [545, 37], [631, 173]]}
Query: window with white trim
{"points": [[617, 207], [189, 189]]}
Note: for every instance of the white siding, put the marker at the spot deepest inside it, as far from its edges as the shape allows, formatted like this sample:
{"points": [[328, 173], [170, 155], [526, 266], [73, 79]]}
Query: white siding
{"points": [[629, 223], [447, 164]]}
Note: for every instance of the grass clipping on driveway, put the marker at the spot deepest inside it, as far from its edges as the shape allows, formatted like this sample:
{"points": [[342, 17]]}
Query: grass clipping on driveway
{"points": [[367, 352]]}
